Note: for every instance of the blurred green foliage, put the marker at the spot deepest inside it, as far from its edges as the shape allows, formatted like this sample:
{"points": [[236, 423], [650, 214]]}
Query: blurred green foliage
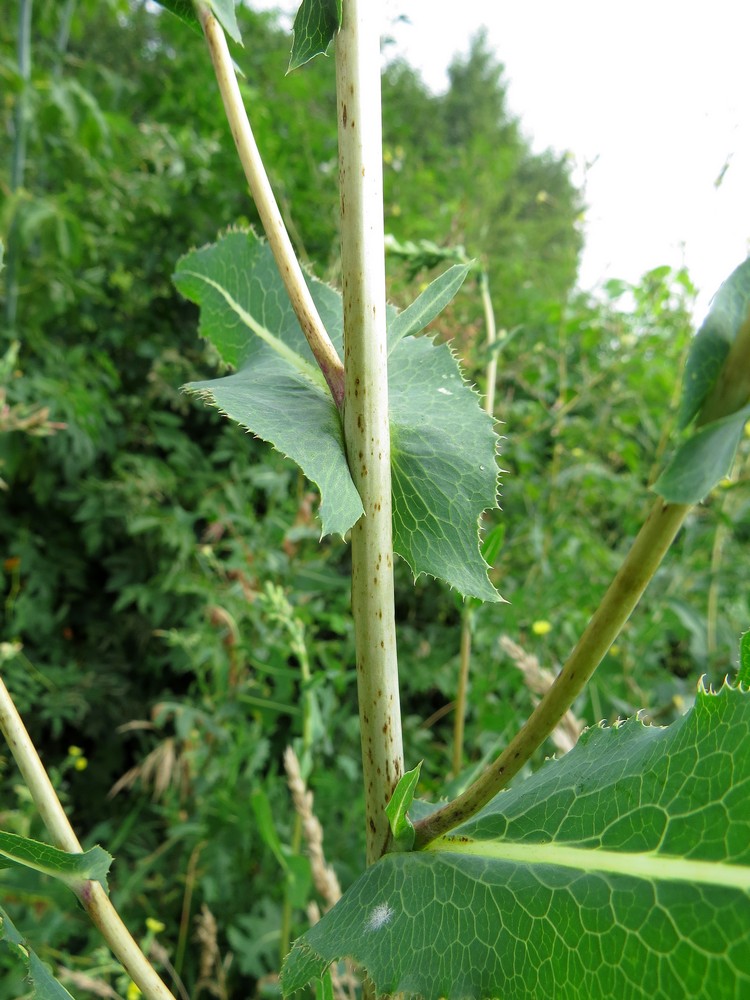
{"points": [[161, 575]]}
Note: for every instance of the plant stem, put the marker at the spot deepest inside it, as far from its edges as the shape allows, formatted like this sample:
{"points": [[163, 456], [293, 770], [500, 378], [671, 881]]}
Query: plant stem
{"points": [[459, 719], [93, 897], [18, 159], [489, 322], [366, 425], [270, 216], [623, 594], [299, 649]]}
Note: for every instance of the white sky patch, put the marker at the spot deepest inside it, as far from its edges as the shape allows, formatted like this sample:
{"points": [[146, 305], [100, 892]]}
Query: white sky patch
{"points": [[649, 100], [379, 917]]}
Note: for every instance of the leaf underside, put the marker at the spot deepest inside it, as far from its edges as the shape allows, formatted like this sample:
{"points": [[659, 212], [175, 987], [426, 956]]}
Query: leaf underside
{"points": [[706, 457], [710, 347], [315, 24], [703, 460], [73, 869], [622, 870], [443, 446], [223, 10]]}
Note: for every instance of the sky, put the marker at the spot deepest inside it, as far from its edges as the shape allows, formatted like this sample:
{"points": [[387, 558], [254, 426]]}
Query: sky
{"points": [[646, 96]]}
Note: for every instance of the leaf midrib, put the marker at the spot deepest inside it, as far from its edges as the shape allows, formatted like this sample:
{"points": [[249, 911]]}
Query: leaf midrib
{"points": [[648, 865], [304, 367]]}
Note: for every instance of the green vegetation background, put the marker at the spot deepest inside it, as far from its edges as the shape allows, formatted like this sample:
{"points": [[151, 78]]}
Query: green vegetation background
{"points": [[160, 571]]}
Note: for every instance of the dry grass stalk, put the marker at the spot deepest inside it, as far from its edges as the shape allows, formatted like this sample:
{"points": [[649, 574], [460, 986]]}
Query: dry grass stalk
{"points": [[323, 875], [344, 980], [212, 970], [163, 768], [80, 981], [539, 680]]}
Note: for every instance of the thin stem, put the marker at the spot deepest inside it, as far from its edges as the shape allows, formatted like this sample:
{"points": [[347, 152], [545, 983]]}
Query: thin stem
{"points": [[270, 216], [489, 322], [366, 426], [618, 603], [18, 159], [459, 719], [93, 897], [299, 648], [63, 35]]}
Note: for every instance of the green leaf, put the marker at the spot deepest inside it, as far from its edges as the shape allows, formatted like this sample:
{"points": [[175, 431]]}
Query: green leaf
{"points": [[493, 543], [399, 805], [443, 445], [743, 675], [703, 460], [324, 987], [315, 25], [278, 393], [45, 986], [73, 869], [428, 305], [223, 11], [266, 826], [621, 870], [184, 10], [444, 471], [710, 347]]}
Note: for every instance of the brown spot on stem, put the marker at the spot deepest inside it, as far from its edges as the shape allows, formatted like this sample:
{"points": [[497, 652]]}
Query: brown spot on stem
{"points": [[343, 115]]}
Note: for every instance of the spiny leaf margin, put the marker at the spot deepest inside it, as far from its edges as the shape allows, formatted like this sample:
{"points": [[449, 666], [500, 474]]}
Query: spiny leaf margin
{"points": [[443, 445], [72, 869], [449, 923], [278, 392]]}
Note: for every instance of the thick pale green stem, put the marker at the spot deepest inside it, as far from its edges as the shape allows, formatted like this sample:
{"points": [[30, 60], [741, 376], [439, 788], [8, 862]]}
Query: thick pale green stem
{"points": [[366, 426], [270, 216], [93, 898], [623, 594]]}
